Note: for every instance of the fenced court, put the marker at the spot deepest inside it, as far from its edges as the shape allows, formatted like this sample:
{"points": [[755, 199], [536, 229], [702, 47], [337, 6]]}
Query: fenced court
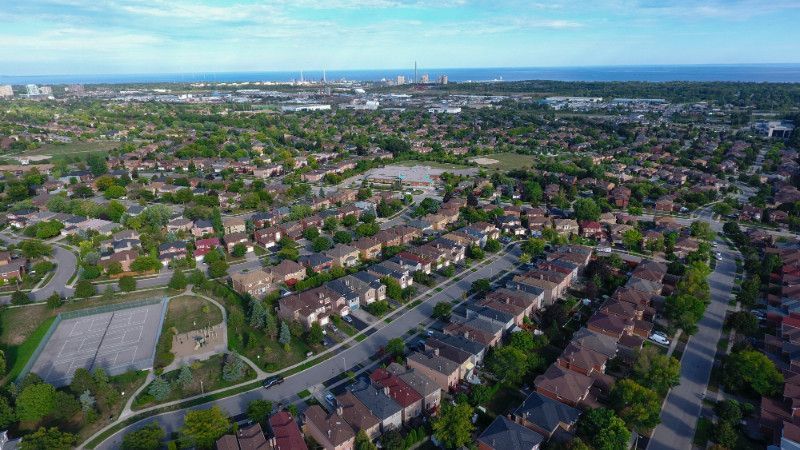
{"points": [[117, 338]]}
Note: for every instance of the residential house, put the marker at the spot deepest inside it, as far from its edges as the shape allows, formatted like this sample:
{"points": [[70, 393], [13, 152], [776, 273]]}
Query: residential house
{"points": [[429, 391], [289, 272], [203, 246], [409, 399], [202, 227], [330, 430], [440, 370], [355, 413], [317, 262], [564, 385], [504, 434], [233, 225], [256, 283], [179, 224], [285, 433], [232, 239], [344, 255], [379, 404], [313, 306], [546, 416], [170, 251], [246, 438], [124, 257]]}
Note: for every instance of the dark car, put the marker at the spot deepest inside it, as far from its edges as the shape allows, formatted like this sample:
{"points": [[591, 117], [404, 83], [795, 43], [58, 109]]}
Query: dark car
{"points": [[272, 381]]}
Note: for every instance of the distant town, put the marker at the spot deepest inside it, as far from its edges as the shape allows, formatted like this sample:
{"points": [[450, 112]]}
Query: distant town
{"points": [[405, 263]]}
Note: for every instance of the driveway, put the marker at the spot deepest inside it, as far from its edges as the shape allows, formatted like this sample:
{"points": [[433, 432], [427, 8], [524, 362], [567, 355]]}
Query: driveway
{"points": [[358, 353]]}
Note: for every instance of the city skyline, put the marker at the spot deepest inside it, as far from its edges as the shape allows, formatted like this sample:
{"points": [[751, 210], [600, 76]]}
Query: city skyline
{"points": [[154, 36]]}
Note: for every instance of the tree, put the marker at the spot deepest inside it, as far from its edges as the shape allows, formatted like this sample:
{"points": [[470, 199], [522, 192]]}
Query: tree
{"points": [[321, 243], [349, 220], [632, 239], [7, 415], [492, 246], [127, 283], [185, 377], [442, 310], [342, 237], [586, 209], [314, 335], [729, 411], [285, 336], [453, 428], [753, 370], [218, 269], [19, 298], [239, 250], [87, 401], [363, 442], [233, 370], [392, 440], [743, 322], [604, 430], [54, 300], [533, 246], [508, 364], [475, 252], [396, 347], [178, 281], [481, 286], [114, 268], [84, 289], [36, 401], [204, 426], [637, 405], [259, 410], [159, 388], [725, 435], [656, 370], [146, 438], [114, 192], [34, 249], [49, 439]]}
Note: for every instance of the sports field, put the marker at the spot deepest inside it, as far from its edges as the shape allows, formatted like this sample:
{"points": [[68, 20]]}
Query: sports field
{"points": [[116, 341]]}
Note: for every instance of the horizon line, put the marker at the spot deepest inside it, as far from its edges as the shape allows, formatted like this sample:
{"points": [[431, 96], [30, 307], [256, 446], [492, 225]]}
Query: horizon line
{"points": [[397, 69]]}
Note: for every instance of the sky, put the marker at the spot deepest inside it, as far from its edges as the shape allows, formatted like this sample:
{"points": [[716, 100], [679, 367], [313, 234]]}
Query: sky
{"points": [[45, 37]]}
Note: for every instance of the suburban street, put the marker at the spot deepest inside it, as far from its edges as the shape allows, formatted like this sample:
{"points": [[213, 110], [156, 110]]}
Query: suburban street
{"points": [[66, 263], [358, 353]]}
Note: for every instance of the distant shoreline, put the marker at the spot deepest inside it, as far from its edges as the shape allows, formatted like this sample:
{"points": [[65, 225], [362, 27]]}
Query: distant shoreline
{"points": [[770, 73]]}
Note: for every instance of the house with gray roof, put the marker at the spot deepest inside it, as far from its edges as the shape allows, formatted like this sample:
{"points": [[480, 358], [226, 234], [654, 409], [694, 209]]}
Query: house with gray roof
{"points": [[424, 386], [503, 434], [546, 416], [378, 402]]}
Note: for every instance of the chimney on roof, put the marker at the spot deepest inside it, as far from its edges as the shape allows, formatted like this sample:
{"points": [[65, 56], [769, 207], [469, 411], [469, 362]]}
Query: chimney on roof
{"points": [[386, 390], [436, 351]]}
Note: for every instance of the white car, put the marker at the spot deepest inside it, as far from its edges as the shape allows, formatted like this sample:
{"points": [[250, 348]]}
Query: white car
{"points": [[659, 338], [330, 399]]}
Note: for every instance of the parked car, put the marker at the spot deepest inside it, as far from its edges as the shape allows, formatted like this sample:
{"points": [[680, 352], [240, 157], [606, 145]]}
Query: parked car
{"points": [[659, 338], [347, 319], [272, 381], [330, 399]]}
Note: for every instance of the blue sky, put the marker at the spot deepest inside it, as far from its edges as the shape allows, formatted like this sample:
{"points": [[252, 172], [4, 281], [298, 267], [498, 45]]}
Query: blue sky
{"points": [[137, 36]]}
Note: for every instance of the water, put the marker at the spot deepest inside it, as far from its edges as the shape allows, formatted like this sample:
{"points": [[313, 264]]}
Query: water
{"points": [[774, 73]]}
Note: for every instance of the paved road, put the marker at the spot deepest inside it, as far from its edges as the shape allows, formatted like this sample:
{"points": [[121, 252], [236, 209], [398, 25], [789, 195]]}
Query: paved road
{"points": [[684, 403], [358, 353], [66, 263]]}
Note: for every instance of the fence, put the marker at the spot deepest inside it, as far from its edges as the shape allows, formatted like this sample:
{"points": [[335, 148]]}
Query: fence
{"points": [[80, 313]]}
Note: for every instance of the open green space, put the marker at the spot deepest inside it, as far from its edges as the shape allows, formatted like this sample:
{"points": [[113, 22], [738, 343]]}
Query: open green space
{"points": [[432, 164], [184, 313], [74, 147], [509, 161], [206, 376]]}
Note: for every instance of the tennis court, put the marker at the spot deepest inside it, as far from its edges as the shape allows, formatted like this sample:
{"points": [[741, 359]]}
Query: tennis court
{"points": [[116, 341]]}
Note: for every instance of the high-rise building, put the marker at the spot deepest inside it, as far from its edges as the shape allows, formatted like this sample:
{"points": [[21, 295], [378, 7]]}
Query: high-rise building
{"points": [[32, 89], [443, 79], [424, 79], [6, 91], [401, 79], [45, 90]]}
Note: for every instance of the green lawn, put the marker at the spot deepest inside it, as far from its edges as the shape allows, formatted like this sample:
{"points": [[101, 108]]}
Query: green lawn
{"points": [[74, 147], [188, 312], [18, 355], [509, 161], [432, 164], [206, 376]]}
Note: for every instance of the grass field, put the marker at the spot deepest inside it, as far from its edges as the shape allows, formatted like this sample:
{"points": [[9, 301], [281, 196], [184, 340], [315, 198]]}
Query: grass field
{"points": [[187, 312], [509, 161], [73, 147], [18, 355], [432, 164]]}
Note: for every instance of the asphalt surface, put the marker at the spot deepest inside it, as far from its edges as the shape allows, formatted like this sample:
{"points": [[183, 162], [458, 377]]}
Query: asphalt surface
{"points": [[66, 263], [684, 403], [358, 353]]}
